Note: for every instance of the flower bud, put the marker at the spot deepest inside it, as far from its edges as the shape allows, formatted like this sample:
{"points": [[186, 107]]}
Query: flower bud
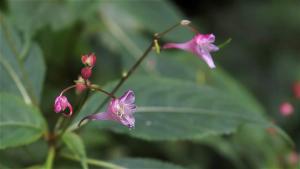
{"points": [[89, 60], [86, 72]]}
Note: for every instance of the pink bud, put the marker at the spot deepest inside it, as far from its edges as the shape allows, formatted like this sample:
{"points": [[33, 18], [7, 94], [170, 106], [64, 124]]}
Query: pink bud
{"points": [[86, 72], [296, 89], [89, 60], [81, 84], [286, 109]]}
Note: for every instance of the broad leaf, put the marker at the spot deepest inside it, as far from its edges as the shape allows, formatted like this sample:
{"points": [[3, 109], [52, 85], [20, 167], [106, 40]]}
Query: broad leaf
{"points": [[170, 109], [138, 163], [29, 17], [20, 124], [76, 146], [21, 65]]}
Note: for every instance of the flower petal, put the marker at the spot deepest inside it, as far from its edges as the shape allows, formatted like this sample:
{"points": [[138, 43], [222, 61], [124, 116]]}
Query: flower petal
{"points": [[205, 55], [187, 46], [128, 120], [128, 97], [212, 48], [99, 116]]}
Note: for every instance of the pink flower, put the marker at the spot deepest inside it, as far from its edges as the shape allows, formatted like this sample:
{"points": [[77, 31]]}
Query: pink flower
{"points": [[296, 89], [120, 110], [201, 45], [286, 109], [61, 103], [86, 72], [89, 60]]}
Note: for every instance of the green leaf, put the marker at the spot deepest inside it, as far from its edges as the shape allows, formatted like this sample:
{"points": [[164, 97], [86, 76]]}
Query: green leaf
{"points": [[171, 109], [20, 124], [76, 146], [21, 65], [30, 17], [138, 163]]}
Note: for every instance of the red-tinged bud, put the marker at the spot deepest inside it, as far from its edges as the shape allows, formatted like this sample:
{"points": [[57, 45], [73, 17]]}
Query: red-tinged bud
{"points": [[296, 89], [89, 60], [86, 72], [286, 109]]}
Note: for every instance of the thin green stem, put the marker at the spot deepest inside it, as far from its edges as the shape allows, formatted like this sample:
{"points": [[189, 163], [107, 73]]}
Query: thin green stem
{"points": [[97, 88], [126, 75], [139, 61], [50, 158], [94, 162]]}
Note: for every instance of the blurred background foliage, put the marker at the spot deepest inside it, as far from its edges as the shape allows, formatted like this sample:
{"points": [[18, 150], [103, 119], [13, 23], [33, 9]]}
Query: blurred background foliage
{"points": [[262, 59]]}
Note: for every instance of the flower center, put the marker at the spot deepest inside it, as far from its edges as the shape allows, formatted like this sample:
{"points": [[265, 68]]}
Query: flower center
{"points": [[120, 110]]}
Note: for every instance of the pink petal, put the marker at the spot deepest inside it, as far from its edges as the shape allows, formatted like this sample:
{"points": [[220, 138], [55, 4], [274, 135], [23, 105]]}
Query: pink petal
{"points": [[205, 55], [128, 120], [187, 46], [100, 116], [128, 97]]}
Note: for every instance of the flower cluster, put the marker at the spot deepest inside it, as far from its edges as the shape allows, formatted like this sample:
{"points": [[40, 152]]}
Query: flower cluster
{"points": [[89, 61], [119, 109], [122, 109]]}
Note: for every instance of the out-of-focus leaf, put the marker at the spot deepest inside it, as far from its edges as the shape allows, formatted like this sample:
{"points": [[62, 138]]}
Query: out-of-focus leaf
{"points": [[20, 124], [186, 66], [138, 163], [31, 16], [170, 109], [76, 146], [19, 157], [22, 66]]}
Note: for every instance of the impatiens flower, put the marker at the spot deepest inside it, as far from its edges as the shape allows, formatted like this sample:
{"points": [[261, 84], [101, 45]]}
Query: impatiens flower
{"points": [[286, 109], [201, 45], [86, 72], [296, 89], [120, 110], [61, 103], [89, 60]]}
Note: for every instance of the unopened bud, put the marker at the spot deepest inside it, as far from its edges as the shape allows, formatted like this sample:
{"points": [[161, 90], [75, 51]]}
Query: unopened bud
{"points": [[86, 72], [185, 22], [124, 74]]}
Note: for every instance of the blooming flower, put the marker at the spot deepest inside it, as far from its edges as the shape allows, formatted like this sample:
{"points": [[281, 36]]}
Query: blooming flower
{"points": [[119, 109], [201, 45], [61, 103], [286, 109], [296, 89], [89, 60], [86, 72]]}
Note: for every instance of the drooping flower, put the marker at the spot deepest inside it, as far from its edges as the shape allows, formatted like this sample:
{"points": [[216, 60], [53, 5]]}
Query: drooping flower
{"points": [[201, 45], [61, 103], [120, 110], [286, 109], [86, 72], [89, 60], [296, 89]]}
